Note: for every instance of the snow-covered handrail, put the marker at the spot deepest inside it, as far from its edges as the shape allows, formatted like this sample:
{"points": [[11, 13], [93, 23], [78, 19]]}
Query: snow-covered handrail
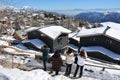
{"points": [[17, 50], [102, 66]]}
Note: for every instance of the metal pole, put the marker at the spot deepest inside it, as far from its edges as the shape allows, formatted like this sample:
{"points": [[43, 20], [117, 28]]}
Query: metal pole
{"points": [[12, 60]]}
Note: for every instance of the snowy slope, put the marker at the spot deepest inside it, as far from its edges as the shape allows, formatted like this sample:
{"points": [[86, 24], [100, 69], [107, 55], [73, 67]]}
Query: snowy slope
{"points": [[38, 74], [90, 73]]}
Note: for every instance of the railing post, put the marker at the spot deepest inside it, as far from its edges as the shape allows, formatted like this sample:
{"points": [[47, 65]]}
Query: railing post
{"points": [[103, 69], [12, 60]]}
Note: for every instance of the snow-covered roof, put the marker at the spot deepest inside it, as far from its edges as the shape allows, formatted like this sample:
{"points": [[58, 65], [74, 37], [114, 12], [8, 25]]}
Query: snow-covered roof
{"points": [[92, 31], [112, 25], [21, 46], [73, 47], [54, 31], [103, 51], [36, 42], [74, 36], [112, 32], [51, 31]]}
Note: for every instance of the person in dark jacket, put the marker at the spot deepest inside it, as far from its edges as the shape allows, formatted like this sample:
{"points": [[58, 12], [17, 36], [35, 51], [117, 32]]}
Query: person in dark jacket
{"points": [[45, 55], [56, 62]]}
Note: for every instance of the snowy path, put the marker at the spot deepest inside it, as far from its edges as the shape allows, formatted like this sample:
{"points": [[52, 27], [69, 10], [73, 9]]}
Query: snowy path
{"points": [[93, 73]]}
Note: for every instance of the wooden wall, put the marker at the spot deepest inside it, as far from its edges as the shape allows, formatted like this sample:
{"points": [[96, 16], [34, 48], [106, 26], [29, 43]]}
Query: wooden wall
{"points": [[101, 56], [54, 45], [101, 40]]}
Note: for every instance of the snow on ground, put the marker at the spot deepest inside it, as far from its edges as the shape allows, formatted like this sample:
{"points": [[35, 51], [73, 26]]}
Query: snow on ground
{"points": [[18, 49], [37, 74], [16, 74], [90, 72], [3, 43], [108, 74], [6, 37]]}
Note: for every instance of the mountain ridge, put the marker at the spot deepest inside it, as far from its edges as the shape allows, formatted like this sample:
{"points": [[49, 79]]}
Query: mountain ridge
{"points": [[99, 16], [73, 12]]}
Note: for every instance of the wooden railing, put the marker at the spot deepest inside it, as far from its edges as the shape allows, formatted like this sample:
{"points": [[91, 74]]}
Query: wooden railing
{"points": [[102, 64]]}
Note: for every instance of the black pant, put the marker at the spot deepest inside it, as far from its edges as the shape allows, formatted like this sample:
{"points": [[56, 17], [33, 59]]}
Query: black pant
{"points": [[56, 72], [68, 69], [81, 71], [44, 64]]}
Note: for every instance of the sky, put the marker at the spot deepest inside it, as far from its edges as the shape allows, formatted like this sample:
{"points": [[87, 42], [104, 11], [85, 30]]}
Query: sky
{"points": [[63, 4]]}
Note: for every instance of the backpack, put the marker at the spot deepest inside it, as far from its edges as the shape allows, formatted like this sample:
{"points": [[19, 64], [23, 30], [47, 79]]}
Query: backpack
{"points": [[76, 59]]}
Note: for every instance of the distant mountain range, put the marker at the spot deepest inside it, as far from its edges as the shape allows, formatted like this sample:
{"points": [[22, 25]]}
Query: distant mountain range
{"points": [[91, 15], [73, 12], [100, 16], [94, 15]]}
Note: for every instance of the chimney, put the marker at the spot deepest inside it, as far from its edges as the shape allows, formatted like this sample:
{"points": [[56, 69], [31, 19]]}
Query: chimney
{"points": [[104, 32]]}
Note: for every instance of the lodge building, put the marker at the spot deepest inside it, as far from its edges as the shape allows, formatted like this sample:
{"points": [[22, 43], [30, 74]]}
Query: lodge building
{"points": [[56, 37], [105, 40]]}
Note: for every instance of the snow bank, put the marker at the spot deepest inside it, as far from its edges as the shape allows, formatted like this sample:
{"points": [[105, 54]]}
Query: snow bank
{"points": [[11, 38], [16, 74], [3, 43]]}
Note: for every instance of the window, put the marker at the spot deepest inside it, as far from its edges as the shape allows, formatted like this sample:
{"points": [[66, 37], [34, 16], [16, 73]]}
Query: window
{"points": [[42, 34], [110, 41], [34, 33], [95, 39], [59, 39]]}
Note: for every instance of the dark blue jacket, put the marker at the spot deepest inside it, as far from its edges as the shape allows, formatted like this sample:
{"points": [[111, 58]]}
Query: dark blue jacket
{"points": [[45, 52]]}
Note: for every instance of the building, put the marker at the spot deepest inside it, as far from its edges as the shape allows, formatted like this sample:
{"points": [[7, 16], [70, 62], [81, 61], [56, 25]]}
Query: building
{"points": [[74, 41], [105, 37], [56, 37]]}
